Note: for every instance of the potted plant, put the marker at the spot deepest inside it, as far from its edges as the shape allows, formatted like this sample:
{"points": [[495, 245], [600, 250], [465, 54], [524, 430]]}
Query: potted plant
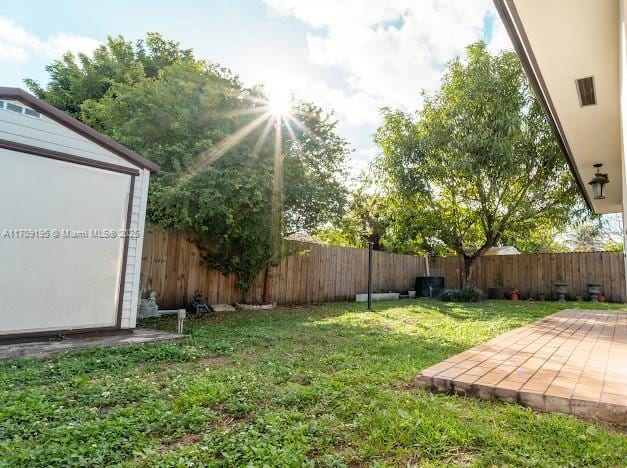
{"points": [[514, 294], [498, 291], [411, 293], [561, 288], [594, 290], [541, 296]]}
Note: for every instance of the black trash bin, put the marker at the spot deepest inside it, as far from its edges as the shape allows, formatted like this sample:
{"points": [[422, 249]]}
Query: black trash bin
{"points": [[429, 286]]}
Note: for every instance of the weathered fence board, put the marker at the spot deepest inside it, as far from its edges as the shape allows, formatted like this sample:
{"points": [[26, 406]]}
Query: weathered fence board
{"points": [[171, 265]]}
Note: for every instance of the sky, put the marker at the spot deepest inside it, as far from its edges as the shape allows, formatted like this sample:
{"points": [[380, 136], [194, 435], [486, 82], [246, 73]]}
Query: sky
{"points": [[351, 57]]}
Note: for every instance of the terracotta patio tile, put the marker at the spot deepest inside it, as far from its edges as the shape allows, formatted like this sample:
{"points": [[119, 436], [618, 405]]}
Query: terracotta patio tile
{"points": [[619, 388], [434, 370], [559, 391], [493, 377], [614, 399], [587, 392], [564, 382], [480, 370], [521, 375], [540, 381], [552, 366], [466, 364], [451, 373], [573, 361], [509, 384], [467, 378]]}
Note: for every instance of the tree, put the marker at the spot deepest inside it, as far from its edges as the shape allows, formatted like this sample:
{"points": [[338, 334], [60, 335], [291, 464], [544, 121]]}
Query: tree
{"points": [[366, 220], [215, 145], [118, 61], [595, 233], [478, 164]]}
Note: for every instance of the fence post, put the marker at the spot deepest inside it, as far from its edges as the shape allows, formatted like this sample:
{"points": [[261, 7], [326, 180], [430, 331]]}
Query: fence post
{"points": [[370, 246]]}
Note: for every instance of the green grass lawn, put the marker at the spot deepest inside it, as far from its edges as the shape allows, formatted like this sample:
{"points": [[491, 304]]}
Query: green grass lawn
{"points": [[326, 386]]}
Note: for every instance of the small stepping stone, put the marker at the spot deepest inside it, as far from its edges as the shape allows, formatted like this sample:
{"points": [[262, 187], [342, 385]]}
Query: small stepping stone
{"points": [[222, 308]]}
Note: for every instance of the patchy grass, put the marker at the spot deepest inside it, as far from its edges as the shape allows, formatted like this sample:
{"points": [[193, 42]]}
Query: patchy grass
{"points": [[326, 386]]}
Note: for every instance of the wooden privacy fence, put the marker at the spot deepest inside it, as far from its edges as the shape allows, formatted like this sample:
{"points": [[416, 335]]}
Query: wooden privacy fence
{"points": [[171, 266], [534, 273]]}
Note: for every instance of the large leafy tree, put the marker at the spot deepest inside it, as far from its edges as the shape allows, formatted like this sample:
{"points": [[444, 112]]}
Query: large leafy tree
{"points": [[180, 112], [478, 164]]}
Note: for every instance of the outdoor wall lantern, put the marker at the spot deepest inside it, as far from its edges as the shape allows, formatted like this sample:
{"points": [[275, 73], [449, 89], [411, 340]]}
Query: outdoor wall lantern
{"points": [[598, 182]]}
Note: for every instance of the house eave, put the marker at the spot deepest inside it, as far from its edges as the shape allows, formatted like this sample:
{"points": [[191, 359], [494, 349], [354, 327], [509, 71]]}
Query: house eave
{"points": [[514, 27]]}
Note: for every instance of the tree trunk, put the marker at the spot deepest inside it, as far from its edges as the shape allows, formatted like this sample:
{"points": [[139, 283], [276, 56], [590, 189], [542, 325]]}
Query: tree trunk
{"points": [[375, 238], [266, 287], [468, 262]]}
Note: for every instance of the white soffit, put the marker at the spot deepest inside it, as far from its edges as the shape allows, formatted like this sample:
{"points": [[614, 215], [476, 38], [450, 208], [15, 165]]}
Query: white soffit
{"points": [[571, 40]]}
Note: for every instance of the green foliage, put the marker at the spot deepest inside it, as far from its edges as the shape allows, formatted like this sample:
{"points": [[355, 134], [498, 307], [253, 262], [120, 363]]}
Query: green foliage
{"points": [[595, 233], [76, 79], [158, 100], [311, 386], [612, 246], [371, 216], [365, 220], [462, 295], [478, 164]]}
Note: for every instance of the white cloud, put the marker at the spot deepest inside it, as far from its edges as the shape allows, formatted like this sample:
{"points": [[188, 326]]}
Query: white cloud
{"points": [[19, 46], [321, 13], [389, 50], [499, 40], [356, 108]]}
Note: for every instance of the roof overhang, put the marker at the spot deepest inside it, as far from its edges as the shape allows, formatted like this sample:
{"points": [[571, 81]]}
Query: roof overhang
{"points": [[64, 119], [559, 42]]}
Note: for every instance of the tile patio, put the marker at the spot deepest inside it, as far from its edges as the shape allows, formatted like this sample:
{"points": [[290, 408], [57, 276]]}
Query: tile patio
{"points": [[574, 361]]}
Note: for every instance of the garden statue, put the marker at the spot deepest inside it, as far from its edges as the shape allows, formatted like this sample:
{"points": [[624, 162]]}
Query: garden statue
{"points": [[148, 307], [198, 304]]}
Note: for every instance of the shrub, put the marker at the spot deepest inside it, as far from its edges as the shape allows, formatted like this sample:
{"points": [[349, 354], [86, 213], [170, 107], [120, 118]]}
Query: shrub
{"points": [[462, 295]]}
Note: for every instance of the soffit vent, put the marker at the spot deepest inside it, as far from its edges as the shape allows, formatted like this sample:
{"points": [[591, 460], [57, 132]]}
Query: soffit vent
{"points": [[585, 89]]}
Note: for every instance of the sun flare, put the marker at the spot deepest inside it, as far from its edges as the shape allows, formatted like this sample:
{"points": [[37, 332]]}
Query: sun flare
{"points": [[279, 102]]}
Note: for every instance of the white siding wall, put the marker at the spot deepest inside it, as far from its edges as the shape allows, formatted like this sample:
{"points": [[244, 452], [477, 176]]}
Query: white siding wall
{"points": [[134, 258], [46, 133]]}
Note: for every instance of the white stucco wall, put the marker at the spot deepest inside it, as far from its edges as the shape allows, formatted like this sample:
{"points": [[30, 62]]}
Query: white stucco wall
{"points": [[46, 133]]}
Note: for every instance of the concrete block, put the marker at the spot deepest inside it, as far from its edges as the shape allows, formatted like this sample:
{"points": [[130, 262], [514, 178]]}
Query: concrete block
{"points": [[222, 308], [378, 297]]}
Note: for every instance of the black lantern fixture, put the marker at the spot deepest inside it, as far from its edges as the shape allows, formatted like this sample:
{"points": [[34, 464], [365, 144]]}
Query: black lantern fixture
{"points": [[598, 182]]}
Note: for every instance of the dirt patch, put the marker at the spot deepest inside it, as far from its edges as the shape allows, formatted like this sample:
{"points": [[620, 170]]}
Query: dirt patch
{"points": [[187, 439], [225, 426], [216, 360], [462, 458], [228, 424]]}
